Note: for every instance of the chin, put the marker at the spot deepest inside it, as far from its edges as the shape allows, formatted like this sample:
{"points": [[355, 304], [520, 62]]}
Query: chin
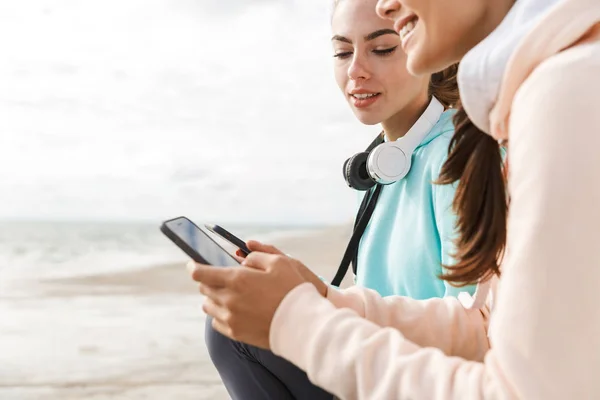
{"points": [[367, 118], [419, 63]]}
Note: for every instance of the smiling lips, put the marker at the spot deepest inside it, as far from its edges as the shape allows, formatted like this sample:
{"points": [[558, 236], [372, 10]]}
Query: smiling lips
{"points": [[363, 99], [405, 28]]}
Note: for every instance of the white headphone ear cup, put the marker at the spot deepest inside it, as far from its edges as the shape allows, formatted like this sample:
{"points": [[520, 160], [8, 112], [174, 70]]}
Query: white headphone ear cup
{"points": [[388, 163], [404, 163]]}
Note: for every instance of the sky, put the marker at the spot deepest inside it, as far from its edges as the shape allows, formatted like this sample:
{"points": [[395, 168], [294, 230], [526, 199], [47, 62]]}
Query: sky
{"points": [[224, 111]]}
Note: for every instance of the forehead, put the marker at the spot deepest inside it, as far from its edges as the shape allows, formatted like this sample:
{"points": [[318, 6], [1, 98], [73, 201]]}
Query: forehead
{"points": [[357, 17]]}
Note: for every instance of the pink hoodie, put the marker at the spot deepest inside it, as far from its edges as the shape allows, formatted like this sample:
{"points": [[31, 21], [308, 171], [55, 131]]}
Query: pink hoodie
{"points": [[545, 311]]}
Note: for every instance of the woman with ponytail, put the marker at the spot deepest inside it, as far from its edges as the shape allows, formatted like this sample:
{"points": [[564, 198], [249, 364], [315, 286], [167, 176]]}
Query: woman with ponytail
{"points": [[409, 238], [528, 77]]}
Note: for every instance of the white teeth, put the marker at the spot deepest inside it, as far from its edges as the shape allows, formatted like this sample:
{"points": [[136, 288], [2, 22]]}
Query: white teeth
{"points": [[406, 29], [364, 95]]}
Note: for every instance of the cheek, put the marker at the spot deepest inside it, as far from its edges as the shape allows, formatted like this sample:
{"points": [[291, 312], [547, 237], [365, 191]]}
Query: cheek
{"points": [[398, 81], [445, 34], [404, 88], [442, 38], [434, 50]]}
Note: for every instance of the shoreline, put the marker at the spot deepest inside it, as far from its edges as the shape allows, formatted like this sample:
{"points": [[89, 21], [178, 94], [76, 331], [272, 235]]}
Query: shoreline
{"points": [[135, 334], [321, 250]]}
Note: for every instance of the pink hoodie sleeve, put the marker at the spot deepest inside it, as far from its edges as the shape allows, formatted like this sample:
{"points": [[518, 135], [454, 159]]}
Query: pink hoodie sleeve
{"points": [[355, 358], [443, 314], [545, 327]]}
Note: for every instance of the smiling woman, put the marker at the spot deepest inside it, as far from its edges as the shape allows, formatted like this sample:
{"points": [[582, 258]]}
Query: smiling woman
{"points": [[408, 240], [370, 70], [529, 73]]}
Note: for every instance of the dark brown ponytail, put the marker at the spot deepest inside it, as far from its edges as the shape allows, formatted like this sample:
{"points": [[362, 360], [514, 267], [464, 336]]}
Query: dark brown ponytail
{"points": [[480, 202], [444, 87]]}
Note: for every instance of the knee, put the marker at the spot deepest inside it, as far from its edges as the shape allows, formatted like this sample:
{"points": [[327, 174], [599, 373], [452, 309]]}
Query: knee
{"points": [[219, 347]]}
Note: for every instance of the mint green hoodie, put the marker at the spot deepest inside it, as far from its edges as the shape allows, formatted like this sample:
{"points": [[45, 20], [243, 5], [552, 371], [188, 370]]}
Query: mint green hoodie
{"points": [[411, 232]]}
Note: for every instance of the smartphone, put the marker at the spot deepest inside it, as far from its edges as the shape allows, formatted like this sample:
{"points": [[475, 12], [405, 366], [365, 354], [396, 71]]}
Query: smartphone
{"points": [[196, 243], [230, 237]]}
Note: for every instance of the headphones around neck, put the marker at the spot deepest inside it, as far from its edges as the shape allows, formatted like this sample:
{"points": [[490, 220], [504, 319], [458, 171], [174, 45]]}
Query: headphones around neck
{"points": [[388, 162], [381, 164]]}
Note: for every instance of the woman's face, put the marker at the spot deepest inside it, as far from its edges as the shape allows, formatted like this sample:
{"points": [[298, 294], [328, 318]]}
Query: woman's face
{"points": [[369, 65], [438, 33]]}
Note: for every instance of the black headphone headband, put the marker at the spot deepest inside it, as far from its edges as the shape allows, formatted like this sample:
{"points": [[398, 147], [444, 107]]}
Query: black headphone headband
{"points": [[376, 142], [363, 216], [360, 224]]}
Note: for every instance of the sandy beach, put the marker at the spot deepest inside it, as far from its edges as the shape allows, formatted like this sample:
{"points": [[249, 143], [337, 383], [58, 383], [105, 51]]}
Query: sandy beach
{"points": [[126, 335]]}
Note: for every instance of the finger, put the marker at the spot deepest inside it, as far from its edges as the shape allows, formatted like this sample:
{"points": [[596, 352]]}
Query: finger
{"points": [[216, 277], [255, 245], [260, 261], [191, 267], [214, 294], [239, 256], [213, 309], [239, 253]]}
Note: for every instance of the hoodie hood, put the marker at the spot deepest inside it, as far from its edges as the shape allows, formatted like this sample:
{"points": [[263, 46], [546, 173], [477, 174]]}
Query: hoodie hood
{"points": [[482, 69], [444, 125]]}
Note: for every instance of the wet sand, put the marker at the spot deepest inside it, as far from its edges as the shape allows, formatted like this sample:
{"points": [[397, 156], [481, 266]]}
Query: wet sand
{"points": [[130, 335]]}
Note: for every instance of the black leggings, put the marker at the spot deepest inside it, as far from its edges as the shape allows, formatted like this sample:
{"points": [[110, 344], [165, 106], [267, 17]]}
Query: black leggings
{"points": [[251, 373]]}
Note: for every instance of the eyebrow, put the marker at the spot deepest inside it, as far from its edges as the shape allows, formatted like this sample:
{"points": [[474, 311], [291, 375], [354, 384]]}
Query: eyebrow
{"points": [[369, 37], [380, 32]]}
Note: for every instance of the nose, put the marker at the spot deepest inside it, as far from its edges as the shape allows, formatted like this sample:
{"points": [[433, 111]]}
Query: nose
{"points": [[358, 69], [388, 9]]}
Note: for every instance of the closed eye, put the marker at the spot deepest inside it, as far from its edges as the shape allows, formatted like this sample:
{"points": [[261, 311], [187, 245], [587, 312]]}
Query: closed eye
{"points": [[343, 55], [385, 51]]}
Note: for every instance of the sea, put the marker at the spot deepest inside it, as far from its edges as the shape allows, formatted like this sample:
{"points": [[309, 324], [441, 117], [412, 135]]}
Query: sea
{"points": [[49, 249]]}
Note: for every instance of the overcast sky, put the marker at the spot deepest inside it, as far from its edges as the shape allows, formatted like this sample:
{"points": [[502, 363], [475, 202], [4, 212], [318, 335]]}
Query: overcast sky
{"points": [[147, 109]]}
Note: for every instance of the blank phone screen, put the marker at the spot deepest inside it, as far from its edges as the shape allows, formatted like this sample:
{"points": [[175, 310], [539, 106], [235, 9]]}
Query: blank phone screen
{"points": [[194, 237]]}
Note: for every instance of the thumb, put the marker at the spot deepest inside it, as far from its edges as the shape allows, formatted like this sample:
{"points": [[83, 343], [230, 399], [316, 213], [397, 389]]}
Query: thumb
{"points": [[258, 260], [255, 245]]}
